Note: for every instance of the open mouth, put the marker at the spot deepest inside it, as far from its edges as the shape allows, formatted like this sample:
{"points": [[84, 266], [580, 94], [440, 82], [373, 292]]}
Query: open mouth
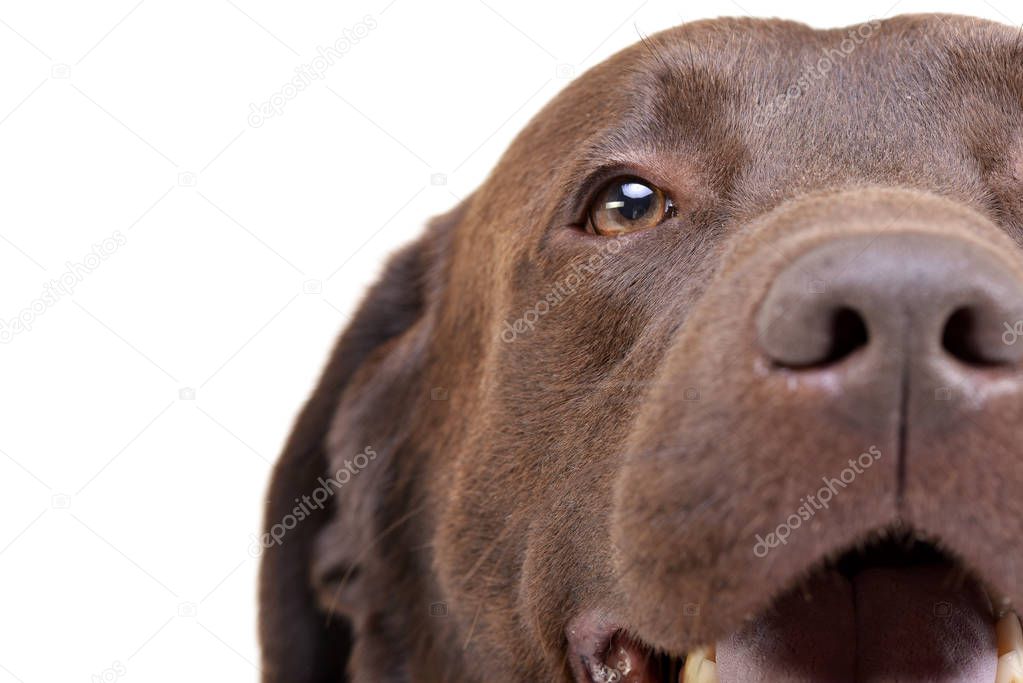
{"points": [[897, 610]]}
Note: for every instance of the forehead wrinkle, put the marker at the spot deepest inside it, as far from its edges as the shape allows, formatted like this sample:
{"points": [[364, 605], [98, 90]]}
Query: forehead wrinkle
{"points": [[617, 145], [647, 98]]}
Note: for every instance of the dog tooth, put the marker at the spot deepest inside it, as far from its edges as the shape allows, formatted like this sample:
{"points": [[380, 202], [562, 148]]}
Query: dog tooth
{"points": [[701, 667], [1010, 635], [1010, 649]]}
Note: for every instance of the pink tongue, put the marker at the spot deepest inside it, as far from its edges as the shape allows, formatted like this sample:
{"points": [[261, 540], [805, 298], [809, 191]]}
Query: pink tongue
{"points": [[885, 625]]}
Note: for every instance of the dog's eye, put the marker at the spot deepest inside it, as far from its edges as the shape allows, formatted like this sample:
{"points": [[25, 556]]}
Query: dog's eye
{"points": [[628, 204]]}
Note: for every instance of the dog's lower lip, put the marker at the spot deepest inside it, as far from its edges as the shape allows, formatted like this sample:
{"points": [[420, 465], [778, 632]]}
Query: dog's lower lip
{"points": [[628, 661], [701, 666], [914, 614]]}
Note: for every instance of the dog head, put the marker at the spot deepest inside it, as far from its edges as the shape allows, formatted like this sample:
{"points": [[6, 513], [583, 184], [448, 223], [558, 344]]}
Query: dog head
{"points": [[721, 360]]}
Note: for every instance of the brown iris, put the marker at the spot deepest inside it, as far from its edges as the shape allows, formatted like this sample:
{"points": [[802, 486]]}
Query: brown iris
{"points": [[626, 205]]}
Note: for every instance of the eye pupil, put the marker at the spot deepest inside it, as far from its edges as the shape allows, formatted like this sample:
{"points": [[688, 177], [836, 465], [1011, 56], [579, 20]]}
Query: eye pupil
{"points": [[631, 200], [628, 204]]}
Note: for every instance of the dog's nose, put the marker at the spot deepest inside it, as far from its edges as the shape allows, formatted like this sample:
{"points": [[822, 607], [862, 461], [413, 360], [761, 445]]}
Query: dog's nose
{"points": [[923, 296]]}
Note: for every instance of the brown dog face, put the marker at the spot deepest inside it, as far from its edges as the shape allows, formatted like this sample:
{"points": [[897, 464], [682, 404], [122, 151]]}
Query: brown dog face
{"points": [[721, 360]]}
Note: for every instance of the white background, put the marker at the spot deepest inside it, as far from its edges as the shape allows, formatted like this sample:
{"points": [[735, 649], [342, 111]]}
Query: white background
{"points": [[141, 412]]}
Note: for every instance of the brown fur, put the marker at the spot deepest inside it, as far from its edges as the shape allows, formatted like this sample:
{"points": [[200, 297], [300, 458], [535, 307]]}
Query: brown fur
{"points": [[520, 482]]}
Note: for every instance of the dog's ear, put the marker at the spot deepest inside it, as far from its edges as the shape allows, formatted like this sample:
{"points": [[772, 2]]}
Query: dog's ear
{"points": [[301, 642]]}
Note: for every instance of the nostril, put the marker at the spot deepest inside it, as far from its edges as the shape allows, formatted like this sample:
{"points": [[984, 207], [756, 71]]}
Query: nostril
{"points": [[926, 300], [830, 339], [961, 338], [848, 333]]}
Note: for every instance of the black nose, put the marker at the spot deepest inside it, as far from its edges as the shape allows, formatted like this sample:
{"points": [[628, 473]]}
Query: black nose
{"points": [[926, 296]]}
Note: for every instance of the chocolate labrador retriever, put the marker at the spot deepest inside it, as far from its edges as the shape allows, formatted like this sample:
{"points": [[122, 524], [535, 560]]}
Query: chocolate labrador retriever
{"points": [[716, 377]]}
